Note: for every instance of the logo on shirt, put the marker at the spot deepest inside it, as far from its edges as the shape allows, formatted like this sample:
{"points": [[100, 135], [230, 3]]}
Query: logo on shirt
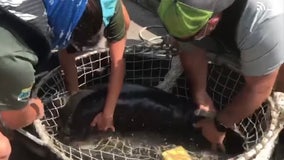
{"points": [[25, 94]]}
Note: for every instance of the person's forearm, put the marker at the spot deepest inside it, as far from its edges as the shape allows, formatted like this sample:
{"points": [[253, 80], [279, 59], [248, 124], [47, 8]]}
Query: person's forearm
{"points": [[68, 64], [243, 105], [16, 119], [116, 77], [114, 88]]}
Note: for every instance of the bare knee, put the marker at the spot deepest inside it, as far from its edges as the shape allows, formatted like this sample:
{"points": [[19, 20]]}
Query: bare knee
{"points": [[5, 147]]}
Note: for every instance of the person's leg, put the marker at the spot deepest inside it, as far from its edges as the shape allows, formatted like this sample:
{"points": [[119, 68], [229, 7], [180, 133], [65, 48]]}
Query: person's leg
{"points": [[195, 65], [5, 147]]}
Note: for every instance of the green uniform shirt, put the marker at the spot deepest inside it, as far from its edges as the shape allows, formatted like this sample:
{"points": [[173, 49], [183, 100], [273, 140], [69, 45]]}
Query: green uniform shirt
{"points": [[16, 71]]}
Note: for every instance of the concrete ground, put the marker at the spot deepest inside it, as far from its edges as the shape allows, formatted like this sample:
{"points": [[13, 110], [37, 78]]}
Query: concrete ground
{"points": [[140, 17]]}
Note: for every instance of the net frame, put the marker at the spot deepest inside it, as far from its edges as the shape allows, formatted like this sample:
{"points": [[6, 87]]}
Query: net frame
{"points": [[166, 78]]}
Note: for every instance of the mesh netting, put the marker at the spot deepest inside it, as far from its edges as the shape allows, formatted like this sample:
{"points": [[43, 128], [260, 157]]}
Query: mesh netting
{"points": [[150, 65]]}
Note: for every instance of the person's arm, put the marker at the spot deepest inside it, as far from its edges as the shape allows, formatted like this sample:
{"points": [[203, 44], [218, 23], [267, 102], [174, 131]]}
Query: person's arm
{"points": [[116, 76], [255, 91], [15, 119], [68, 64], [115, 33], [252, 95]]}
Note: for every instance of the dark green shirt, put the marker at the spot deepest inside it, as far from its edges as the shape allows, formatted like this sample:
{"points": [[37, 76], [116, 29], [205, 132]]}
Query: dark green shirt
{"points": [[16, 71]]}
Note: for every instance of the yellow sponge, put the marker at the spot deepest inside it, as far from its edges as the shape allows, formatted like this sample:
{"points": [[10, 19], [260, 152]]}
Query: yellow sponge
{"points": [[178, 153]]}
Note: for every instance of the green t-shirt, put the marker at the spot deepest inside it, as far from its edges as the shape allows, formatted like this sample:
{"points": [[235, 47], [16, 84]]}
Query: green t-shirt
{"points": [[115, 30]]}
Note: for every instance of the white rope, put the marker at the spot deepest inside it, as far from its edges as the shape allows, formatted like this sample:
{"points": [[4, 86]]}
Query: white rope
{"points": [[31, 136], [47, 141], [264, 149], [153, 39]]}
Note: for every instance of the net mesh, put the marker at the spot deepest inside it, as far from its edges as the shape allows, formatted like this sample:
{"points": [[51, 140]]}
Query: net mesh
{"points": [[150, 65]]}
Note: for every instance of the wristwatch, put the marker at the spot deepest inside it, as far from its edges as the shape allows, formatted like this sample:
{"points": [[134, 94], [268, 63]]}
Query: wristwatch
{"points": [[219, 126]]}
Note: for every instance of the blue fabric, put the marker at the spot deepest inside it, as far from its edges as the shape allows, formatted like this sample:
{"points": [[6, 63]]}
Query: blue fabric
{"points": [[63, 17], [108, 9]]}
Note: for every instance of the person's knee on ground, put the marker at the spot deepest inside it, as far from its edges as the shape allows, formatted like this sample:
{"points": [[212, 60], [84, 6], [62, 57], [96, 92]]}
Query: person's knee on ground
{"points": [[5, 147]]}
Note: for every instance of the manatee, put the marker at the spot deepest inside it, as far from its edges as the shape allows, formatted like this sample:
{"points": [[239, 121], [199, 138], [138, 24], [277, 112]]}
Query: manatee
{"points": [[139, 108]]}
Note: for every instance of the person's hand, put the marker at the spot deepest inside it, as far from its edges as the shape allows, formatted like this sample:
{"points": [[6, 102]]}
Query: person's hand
{"points": [[103, 123], [15, 119], [37, 104], [210, 132]]}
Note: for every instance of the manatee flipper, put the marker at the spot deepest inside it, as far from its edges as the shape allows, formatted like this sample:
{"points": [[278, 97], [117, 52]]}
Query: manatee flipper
{"points": [[67, 111]]}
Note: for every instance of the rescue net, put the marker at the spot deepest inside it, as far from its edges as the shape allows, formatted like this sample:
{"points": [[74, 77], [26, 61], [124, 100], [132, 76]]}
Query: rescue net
{"points": [[154, 65]]}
